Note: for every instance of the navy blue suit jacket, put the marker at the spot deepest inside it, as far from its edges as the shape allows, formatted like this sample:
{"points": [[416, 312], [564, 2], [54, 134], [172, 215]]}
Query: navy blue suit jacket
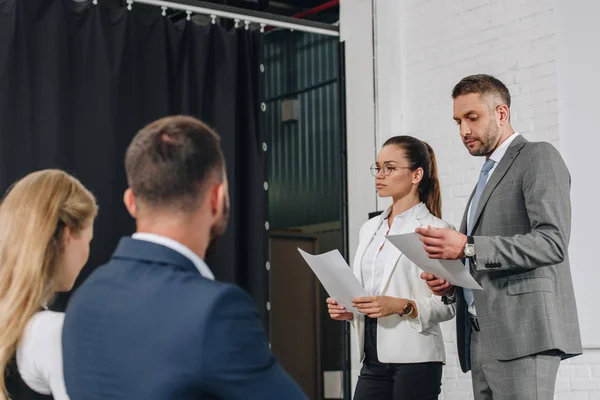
{"points": [[147, 325]]}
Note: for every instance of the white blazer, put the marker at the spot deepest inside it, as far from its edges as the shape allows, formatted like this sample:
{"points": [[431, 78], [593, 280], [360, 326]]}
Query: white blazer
{"points": [[402, 339]]}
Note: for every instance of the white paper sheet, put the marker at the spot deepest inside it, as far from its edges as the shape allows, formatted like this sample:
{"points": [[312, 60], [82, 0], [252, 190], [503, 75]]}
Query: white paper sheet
{"points": [[336, 276], [454, 271]]}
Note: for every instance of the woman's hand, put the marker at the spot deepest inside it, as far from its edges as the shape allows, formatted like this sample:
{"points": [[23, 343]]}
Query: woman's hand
{"points": [[439, 287], [338, 312], [381, 306]]}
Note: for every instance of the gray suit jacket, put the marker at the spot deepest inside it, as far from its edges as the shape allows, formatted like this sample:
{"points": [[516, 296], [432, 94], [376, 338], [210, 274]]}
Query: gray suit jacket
{"points": [[521, 231]]}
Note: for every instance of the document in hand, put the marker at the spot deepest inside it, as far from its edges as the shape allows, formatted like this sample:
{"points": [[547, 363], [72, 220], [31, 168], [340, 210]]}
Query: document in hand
{"points": [[453, 271], [336, 276]]}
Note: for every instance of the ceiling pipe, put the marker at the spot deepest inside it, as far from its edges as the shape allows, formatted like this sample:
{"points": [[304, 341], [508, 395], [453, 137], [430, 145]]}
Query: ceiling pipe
{"points": [[317, 9], [312, 11]]}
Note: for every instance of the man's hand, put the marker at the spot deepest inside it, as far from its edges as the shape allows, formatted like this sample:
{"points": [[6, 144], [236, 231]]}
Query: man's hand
{"points": [[338, 312], [443, 243], [379, 306], [439, 287]]}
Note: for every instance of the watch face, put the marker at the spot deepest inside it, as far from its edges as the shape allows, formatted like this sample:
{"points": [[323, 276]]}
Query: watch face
{"points": [[469, 250]]}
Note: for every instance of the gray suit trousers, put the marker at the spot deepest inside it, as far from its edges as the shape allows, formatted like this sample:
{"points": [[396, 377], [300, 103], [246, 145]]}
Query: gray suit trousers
{"points": [[526, 378]]}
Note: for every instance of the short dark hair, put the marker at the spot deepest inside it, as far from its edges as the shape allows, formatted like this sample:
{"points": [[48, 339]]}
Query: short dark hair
{"points": [[171, 161], [482, 84]]}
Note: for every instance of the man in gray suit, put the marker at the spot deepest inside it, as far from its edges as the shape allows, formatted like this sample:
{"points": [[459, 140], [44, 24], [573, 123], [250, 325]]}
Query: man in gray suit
{"points": [[514, 239]]}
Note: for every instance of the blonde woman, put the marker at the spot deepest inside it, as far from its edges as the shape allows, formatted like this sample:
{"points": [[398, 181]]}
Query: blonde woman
{"points": [[46, 225]]}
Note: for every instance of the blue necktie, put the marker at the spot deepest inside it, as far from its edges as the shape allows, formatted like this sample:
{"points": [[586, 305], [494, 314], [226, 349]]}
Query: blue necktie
{"points": [[483, 176]]}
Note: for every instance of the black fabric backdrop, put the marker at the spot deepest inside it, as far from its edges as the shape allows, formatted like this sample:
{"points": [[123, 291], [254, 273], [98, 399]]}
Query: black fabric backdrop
{"points": [[76, 83]]}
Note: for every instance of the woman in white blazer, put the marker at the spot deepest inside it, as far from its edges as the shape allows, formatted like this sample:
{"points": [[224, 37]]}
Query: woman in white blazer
{"points": [[46, 225], [398, 333]]}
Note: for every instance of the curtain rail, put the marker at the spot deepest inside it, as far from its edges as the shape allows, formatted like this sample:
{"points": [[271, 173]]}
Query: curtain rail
{"points": [[247, 17]]}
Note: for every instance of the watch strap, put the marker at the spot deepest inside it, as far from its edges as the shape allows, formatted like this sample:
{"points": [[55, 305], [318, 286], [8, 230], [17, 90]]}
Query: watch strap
{"points": [[408, 308], [449, 299]]}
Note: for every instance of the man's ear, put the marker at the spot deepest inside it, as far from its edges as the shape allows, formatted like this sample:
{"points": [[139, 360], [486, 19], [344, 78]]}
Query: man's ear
{"points": [[217, 197], [129, 200], [503, 113]]}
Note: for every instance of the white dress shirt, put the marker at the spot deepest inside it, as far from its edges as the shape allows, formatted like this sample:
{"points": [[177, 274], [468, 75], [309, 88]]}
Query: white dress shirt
{"points": [[178, 247], [39, 354], [497, 156], [378, 251]]}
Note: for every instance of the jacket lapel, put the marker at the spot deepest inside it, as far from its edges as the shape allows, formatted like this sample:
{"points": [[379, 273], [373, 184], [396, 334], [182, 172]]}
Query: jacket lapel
{"points": [[420, 214], [463, 224], [497, 175]]}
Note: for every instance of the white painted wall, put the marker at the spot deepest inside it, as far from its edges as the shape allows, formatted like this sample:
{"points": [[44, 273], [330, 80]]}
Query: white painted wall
{"points": [[355, 29], [579, 102], [423, 48]]}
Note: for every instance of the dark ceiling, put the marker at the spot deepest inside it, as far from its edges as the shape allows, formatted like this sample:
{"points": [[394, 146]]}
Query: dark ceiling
{"points": [[286, 7]]}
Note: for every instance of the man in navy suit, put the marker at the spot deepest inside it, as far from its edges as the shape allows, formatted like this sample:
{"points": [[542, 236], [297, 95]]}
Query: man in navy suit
{"points": [[152, 323]]}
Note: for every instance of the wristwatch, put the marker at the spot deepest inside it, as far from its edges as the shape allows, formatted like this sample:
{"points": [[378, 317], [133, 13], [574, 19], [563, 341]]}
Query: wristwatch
{"points": [[407, 310], [449, 299], [470, 247]]}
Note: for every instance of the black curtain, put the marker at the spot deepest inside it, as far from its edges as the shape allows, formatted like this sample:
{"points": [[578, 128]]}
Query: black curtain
{"points": [[78, 80]]}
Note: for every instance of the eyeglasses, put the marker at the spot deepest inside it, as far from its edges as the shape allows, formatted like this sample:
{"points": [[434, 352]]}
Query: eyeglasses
{"points": [[387, 169]]}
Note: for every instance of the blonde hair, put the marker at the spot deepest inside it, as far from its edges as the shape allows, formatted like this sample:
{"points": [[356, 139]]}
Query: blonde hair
{"points": [[33, 215]]}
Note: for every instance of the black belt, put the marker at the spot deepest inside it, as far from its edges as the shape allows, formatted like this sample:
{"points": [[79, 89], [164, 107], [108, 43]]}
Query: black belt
{"points": [[473, 322]]}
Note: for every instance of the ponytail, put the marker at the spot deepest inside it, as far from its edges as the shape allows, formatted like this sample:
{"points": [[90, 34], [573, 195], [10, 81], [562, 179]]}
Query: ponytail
{"points": [[429, 190]]}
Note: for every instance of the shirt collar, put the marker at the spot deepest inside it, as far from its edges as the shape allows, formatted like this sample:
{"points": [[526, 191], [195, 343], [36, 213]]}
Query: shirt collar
{"points": [[501, 150], [405, 214], [178, 247]]}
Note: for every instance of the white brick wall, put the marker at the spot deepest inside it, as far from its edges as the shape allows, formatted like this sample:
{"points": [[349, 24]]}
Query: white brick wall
{"points": [[423, 48]]}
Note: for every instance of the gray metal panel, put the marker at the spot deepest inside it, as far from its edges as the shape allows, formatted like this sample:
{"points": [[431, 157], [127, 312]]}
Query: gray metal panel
{"points": [[304, 172]]}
